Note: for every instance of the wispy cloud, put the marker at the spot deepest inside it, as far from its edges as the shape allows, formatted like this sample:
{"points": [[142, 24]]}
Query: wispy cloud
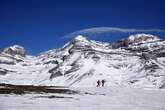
{"points": [[112, 30]]}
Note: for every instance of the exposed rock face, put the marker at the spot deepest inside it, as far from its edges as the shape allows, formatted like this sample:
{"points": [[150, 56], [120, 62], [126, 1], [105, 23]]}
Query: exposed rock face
{"points": [[15, 50], [136, 40]]}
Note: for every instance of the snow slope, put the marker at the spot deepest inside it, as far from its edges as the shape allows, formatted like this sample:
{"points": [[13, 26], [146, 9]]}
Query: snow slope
{"points": [[137, 61]]}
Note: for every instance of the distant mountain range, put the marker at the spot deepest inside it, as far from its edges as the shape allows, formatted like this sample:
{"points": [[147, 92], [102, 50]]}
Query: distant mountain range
{"points": [[137, 61]]}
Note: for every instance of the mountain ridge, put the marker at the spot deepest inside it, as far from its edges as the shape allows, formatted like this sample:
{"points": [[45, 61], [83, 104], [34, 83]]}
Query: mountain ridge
{"points": [[81, 62]]}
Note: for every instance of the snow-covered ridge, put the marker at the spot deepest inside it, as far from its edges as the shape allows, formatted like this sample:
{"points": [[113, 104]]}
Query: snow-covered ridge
{"points": [[143, 38], [133, 37], [138, 60]]}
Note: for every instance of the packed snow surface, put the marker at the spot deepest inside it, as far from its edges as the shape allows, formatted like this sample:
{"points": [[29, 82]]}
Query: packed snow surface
{"points": [[105, 98]]}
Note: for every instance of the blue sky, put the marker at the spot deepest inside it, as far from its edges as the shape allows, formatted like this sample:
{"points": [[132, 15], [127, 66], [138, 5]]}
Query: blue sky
{"points": [[40, 25]]}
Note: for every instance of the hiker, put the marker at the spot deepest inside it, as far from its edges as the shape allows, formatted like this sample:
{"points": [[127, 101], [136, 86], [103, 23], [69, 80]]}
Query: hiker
{"points": [[98, 83], [103, 82]]}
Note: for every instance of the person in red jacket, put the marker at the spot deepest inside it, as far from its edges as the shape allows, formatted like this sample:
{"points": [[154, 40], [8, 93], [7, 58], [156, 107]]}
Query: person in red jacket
{"points": [[98, 83]]}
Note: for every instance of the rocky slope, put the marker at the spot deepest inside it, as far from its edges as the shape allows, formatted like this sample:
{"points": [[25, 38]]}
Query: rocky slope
{"points": [[138, 60]]}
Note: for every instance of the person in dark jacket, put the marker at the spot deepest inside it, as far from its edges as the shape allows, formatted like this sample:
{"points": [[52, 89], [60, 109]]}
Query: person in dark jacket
{"points": [[103, 82]]}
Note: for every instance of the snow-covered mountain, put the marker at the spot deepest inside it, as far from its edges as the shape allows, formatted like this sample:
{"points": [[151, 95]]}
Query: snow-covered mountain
{"points": [[138, 60]]}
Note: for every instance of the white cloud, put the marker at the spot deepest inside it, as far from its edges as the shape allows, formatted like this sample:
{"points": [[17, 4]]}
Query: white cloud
{"points": [[111, 29]]}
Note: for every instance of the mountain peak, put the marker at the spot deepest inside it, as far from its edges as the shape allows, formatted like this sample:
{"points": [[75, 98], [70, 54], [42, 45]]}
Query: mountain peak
{"points": [[15, 50], [80, 41], [80, 38]]}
